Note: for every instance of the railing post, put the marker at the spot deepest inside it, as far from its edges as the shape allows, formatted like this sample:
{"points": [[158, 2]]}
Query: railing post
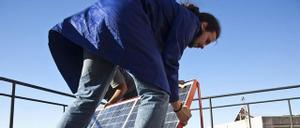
{"points": [[249, 117], [64, 108], [291, 114], [12, 105], [211, 114]]}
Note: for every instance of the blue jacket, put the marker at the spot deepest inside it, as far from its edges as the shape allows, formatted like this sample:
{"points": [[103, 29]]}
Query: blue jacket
{"points": [[146, 37]]}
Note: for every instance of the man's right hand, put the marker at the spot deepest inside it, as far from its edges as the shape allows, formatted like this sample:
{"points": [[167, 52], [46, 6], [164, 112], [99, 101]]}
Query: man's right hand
{"points": [[184, 114]]}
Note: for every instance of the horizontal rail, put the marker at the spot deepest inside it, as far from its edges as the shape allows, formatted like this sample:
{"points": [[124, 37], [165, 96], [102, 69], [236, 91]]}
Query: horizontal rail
{"points": [[250, 92], [35, 87], [35, 100], [257, 102]]}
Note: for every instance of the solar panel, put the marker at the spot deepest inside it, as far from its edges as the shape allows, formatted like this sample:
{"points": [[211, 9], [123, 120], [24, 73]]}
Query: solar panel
{"points": [[123, 114]]}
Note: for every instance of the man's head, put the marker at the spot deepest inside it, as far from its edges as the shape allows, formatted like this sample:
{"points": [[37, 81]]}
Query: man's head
{"points": [[209, 28]]}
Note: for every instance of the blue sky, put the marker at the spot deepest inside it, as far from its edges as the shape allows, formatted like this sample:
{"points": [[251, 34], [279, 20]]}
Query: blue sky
{"points": [[258, 48]]}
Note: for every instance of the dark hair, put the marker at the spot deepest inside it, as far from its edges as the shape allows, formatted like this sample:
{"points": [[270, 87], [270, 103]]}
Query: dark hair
{"points": [[212, 21]]}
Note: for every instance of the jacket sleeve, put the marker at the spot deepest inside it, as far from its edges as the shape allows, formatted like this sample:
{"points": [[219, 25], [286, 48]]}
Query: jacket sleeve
{"points": [[183, 30], [171, 53]]}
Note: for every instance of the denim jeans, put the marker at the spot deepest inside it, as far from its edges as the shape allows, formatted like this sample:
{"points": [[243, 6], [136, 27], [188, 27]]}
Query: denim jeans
{"points": [[93, 84], [153, 105]]}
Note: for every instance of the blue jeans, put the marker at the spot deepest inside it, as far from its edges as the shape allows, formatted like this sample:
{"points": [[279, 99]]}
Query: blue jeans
{"points": [[153, 106], [94, 83]]}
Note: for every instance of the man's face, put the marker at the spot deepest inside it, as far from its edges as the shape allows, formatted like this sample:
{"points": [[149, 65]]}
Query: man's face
{"points": [[204, 39]]}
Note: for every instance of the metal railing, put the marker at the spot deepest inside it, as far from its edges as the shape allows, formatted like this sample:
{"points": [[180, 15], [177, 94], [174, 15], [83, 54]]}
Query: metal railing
{"points": [[13, 96], [211, 107], [14, 84]]}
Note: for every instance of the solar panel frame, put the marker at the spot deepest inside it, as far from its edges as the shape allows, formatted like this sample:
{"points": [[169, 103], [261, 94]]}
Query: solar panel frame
{"points": [[186, 93]]}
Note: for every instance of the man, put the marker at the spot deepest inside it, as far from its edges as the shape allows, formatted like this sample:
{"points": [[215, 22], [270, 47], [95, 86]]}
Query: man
{"points": [[145, 37]]}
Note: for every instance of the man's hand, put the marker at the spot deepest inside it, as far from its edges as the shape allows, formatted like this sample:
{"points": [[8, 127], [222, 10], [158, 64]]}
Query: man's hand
{"points": [[183, 113]]}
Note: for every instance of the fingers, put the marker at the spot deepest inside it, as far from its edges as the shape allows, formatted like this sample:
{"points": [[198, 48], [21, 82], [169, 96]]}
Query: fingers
{"points": [[184, 115], [187, 112], [183, 123]]}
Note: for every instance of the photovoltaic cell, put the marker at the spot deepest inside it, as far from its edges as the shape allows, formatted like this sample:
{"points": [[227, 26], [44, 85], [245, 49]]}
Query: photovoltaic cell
{"points": [[113, 116], [123, 114]]}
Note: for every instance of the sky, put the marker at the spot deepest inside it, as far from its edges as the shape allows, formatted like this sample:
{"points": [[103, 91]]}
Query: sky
{"points": [[258, 48]]}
